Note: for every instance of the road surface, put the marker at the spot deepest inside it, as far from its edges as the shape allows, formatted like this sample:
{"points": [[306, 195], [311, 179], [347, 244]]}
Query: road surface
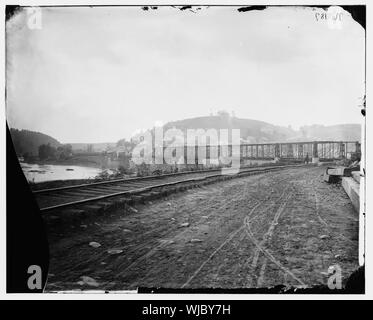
{"points": [[286, 227]]}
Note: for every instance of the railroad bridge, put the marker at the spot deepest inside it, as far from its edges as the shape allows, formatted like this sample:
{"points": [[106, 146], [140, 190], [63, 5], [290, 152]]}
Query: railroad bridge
{"points": [[321, 150], [292, 151]]}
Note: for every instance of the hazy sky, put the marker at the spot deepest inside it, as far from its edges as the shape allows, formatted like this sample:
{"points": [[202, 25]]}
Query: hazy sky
{"points": [[99, 74]]}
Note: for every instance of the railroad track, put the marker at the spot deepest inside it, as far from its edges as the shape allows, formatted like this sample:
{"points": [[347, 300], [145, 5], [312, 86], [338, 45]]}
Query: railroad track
{"points": [[100, 195]]}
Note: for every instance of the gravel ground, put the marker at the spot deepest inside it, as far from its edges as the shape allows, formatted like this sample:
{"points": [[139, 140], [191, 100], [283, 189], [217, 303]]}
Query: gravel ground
{"points": [[285, 227]]}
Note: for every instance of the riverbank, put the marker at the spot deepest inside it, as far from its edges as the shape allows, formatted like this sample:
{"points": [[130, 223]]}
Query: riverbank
{"points": [[69, 174], [78, 161], [108, 174]]}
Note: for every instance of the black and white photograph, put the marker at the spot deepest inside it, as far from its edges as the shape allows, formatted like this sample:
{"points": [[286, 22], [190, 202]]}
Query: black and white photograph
{"points": [[186, 149]]}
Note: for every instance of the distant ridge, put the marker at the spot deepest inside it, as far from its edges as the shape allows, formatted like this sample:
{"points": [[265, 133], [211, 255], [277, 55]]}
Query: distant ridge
{"points": [[255, 131], [252, 131], [28, 142], [335, 132], [96, 147]]}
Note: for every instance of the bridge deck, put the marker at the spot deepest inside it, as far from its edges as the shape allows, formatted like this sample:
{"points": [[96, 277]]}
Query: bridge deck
{"points": [[328, 150]]}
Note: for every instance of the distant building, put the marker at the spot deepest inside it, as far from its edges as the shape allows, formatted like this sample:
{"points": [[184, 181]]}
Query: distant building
{"points": [[118, 152]]}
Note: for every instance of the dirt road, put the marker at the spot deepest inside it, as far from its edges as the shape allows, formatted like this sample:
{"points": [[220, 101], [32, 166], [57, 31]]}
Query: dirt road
{"points": [[286, 227]]}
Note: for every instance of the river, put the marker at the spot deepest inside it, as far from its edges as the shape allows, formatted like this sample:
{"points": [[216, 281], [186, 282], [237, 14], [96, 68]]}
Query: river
{"points": [[49, 172]]}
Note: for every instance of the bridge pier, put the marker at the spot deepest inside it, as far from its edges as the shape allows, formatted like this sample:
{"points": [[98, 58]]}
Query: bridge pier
{"points": [[277, 151], [315, 154]]}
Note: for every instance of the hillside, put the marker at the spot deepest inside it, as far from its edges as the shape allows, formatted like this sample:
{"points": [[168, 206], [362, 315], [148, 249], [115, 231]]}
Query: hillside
{"points": [[350, 132], [28, 142], [252, 131]]}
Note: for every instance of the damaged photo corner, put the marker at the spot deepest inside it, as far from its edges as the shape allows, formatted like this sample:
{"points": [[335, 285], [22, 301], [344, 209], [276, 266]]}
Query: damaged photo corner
{"points": [[185, 149]]}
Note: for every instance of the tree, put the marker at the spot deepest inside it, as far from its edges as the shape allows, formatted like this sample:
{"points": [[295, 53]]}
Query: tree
{"points": [[64, 152], [127, 144], [46, 151]]}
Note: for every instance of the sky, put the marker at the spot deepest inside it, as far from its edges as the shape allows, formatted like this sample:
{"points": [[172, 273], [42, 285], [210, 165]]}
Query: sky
{"points": [[101, 74]]}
